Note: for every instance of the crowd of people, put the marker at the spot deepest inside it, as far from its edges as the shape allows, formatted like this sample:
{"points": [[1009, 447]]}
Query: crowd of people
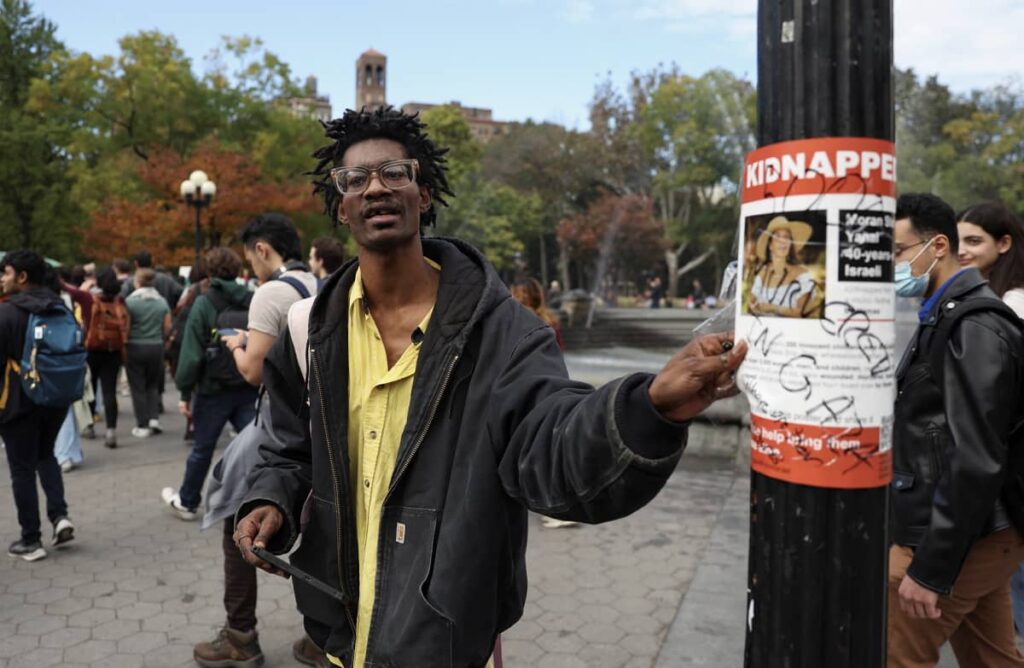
{"points": [[402, 412]]}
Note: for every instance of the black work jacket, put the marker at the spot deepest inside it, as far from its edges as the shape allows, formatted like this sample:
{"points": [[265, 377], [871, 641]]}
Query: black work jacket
{"points": [[495, 427], [951, 443]]}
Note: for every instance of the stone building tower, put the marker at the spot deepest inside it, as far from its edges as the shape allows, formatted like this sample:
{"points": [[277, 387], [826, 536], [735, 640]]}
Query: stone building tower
{"points": [[371, 70]]}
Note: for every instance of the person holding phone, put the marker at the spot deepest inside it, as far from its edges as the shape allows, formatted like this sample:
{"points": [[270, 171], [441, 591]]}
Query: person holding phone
{"points": [[434, 413]]}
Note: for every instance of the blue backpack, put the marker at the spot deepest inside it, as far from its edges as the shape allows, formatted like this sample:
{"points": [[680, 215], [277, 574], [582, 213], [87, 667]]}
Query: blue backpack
{"points": [[53, 360]]}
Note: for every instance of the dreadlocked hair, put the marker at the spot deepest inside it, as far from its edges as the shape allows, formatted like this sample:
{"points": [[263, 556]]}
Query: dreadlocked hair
{"points": [[382, 123]]}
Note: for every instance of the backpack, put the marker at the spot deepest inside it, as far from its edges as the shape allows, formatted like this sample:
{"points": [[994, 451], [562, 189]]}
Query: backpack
{"points": [[1013, 488], [52, 367], [218, 363], [108, 329]]}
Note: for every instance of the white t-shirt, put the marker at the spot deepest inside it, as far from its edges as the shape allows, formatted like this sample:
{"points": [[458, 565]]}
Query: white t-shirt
{"points": [[787, 293], [1015, 299], [268, 312]]}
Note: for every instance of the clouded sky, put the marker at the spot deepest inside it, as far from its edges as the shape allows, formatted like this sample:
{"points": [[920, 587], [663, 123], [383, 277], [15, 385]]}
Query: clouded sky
{"points": [[531, 58]]}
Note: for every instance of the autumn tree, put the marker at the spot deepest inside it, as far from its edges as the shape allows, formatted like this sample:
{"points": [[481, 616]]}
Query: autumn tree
{"points": [[161, 223], [618, 238]]}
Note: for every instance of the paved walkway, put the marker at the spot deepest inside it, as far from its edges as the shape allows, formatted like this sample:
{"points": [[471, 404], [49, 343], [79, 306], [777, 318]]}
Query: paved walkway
{"points": [[139, 587]]}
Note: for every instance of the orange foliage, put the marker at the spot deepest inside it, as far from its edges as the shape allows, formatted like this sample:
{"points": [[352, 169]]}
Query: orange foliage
{"points": [[624, 225], [164, 224]]}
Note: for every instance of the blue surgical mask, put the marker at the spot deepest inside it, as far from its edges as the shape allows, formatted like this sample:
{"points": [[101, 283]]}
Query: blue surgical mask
{"points": [[908, 285]]}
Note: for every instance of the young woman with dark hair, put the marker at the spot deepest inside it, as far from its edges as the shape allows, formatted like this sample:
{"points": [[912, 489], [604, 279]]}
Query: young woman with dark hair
{"points": [[992, 241]]}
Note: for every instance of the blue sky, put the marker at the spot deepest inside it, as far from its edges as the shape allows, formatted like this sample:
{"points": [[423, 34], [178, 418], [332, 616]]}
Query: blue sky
{"points": [[530, 58]]}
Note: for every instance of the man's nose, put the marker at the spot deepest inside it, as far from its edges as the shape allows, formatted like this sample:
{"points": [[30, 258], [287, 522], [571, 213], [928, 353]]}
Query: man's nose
{"points": [[375, 186]]}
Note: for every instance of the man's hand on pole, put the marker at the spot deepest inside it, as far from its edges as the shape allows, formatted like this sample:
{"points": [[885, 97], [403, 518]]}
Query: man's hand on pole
{"points": [[257, 528], [700, 374]]}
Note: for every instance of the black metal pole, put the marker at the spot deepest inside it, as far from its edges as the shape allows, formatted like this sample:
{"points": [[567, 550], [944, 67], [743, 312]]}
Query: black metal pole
{"points": [[818, 557], [197, 203]]}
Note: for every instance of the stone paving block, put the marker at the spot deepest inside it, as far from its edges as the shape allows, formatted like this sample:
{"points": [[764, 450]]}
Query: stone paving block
{"points": [[93, 589], [140, 610], [29, 585], [604, 653], [38, 626], [69, 606], [116, 629], [142, 642], [49, 595], [91, 617], [165, 621], [64, 637], [561, 661], [38, 658], [17, 644], [599, 632], [122, 661], [116, 600], [90, 651]]}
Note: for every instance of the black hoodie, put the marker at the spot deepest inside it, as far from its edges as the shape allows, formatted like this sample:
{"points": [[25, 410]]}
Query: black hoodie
{"points": [[14, 315]]}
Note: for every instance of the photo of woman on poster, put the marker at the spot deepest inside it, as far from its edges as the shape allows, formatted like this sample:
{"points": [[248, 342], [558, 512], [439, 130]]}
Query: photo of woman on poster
{"points": [[782, 285]]}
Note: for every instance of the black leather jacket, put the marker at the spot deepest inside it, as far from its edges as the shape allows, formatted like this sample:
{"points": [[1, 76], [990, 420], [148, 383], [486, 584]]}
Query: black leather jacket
{"points": [[495, 428], [951, 443]]}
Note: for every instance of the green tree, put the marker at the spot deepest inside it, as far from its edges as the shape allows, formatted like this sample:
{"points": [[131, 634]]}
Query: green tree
{"points": [[33, 167], [495, 218], [694, 132]]}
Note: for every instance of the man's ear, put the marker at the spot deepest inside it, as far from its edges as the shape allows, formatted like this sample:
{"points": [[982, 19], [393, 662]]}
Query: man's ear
{"points": [[942, 246], [21, 278], [341, 215], [425, 199]]}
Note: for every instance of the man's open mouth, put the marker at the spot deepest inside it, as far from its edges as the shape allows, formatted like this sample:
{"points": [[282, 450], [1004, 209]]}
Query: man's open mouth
{"points": [[382, 214]]}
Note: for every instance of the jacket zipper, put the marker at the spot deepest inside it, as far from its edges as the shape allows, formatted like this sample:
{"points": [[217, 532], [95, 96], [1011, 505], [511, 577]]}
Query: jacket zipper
{"points": [[336, 485], [423, 432]]}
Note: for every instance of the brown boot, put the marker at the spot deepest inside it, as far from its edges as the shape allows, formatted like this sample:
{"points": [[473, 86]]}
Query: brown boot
{"points": [[231, 649], [305, 651]]}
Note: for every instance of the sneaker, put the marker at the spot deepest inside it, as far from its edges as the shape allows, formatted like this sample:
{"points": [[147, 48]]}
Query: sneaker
{"points": [[111, 439], [67, 466], [305, 651], [63, 531], [142, 432], [154, 426], [230, 648], [552, 523], [173, 501], [89, 432], [27, 551]]}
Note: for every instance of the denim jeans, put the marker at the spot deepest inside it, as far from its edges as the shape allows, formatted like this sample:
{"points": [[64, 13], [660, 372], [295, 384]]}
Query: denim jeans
{"points": [[210, 412], [1017, 596], [29, 440]]}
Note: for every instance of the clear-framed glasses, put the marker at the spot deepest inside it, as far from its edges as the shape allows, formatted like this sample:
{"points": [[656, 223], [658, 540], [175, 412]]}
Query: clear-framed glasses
{"points": [[355, 180]]}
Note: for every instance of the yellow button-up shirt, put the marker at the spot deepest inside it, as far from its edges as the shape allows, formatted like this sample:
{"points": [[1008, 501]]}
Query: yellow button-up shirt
{"points": [[378, 406]]}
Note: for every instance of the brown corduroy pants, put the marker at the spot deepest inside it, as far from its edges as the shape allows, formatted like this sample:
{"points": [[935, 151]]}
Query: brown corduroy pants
{"points": [[977, 618]]}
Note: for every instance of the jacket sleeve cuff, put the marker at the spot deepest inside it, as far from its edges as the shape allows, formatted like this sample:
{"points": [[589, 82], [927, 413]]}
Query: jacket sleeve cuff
{"points": [[926, 583], [645, 430]]}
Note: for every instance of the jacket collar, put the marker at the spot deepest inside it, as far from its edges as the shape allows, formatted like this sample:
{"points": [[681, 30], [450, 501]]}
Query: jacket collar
{"points": [[469, 288], [965, 282]]}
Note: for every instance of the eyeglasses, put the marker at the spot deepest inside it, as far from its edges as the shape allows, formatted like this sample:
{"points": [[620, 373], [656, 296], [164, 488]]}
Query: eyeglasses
{"points": [[394, 175]]}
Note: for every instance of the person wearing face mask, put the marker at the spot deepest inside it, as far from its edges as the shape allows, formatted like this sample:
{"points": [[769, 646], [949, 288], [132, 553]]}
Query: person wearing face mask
{"points": [[954, 544]]}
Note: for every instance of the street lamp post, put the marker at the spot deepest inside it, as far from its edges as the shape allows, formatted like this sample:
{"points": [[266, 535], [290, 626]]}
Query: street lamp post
{"points": [[198, 191]]}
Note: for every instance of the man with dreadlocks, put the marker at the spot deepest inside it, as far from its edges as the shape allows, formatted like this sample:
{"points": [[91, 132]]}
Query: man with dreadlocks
{"points": [[428, 412]]}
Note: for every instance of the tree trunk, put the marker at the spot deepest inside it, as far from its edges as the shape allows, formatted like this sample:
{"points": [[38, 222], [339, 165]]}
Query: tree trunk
{"points": [[543, 262], [563, 265], [672, 264]]}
